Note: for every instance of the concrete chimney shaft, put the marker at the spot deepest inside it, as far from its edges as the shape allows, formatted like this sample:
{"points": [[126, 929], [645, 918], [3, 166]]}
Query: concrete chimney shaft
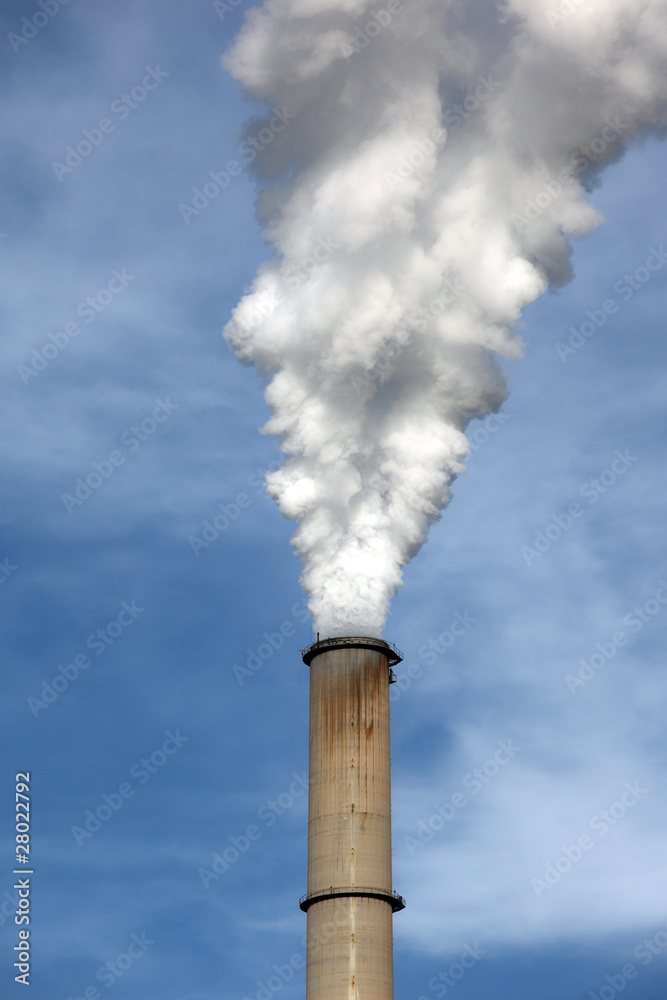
{"points": [[350, 901]]}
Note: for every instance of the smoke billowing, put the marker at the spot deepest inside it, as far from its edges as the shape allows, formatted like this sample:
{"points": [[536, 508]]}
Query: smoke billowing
{"points": [[423, 164]]}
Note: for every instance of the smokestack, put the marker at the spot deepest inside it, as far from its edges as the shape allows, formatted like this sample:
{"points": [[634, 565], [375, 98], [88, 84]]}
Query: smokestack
{"points": [[350, 900]]}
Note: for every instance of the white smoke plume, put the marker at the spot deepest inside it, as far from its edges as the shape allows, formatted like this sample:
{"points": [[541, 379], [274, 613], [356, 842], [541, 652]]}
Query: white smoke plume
{"points": [[423, 165]]}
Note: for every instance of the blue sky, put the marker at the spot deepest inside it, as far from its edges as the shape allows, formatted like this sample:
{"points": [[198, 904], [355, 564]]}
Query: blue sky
{"points": [[147, 396]]}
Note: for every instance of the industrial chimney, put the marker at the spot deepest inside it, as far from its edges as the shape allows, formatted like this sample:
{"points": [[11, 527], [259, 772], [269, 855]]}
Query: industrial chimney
{"points": [[350, 901]]}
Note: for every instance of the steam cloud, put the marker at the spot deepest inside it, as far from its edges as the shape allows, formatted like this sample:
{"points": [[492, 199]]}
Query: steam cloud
{"points": [[422, 166]]}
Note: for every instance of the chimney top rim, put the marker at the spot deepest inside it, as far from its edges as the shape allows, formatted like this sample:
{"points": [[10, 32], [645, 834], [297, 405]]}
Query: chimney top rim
{"points": [[392, 653]]}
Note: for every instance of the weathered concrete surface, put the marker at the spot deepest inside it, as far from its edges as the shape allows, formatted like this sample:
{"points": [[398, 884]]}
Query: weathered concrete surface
{"points": [[349, 954]]}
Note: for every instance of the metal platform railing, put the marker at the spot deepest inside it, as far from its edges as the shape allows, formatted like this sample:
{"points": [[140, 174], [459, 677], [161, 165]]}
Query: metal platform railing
{"points": [[393, 898], [392, 652]]}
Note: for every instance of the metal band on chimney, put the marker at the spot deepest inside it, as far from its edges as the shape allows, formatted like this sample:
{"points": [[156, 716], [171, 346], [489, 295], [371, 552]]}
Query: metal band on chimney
{"points": [[396, 902]]}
